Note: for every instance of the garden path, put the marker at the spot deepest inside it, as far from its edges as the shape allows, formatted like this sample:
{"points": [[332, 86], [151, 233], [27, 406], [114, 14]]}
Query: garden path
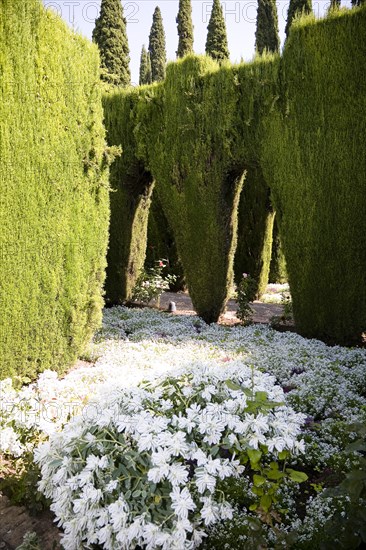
{"points": [[262, 312]]}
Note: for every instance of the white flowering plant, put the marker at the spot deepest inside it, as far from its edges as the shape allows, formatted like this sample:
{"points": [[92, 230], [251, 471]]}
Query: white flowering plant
{"points": [[146, 471], [326, 384], [151, 283]]}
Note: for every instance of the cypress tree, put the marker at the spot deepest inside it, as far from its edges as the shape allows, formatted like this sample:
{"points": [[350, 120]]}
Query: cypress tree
{"points": [[216, 43], [185, 28], [145, 67], [266, 34], [335, 4], [297, 7], [157, 47], [110, 35]]}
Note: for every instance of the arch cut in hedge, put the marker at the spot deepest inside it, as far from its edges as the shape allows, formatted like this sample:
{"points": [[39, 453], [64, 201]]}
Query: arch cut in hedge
{"points": [[196, 144], [312, 158], [255, 228], [54, 206], [131, 189]]}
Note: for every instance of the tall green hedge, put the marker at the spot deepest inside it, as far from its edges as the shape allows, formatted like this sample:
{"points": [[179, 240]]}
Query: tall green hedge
{"points": [[258, 91], [131, 190], [313, 156], [190, 150], [54, 206], [277, 268], [197, 146]]}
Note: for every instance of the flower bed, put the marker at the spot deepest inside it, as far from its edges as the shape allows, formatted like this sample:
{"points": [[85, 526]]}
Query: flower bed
{"points": [[210, 444]]}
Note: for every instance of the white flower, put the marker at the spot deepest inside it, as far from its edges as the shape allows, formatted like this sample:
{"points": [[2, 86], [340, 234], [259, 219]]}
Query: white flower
{"points": [[255, 439], [111, 486], [276, 443], [208, 392], [182, 502], [9, 442], [187, 391], [157, 474], [200, 456], [204, 481], [178, 474], [178, 444], [226, 511], [119, 514], [160, 457], [136, 529], [210, 511]]}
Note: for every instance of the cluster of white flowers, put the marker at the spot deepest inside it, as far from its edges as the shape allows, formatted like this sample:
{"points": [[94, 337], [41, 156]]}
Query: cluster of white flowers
{"points": [[327, 384], [146, 471]]}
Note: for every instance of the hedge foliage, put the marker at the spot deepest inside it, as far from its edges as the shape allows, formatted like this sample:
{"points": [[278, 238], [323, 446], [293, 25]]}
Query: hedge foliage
{"points": [[131, 189], [54, 206], [277, 268], [313, 156], [295, 124], [198, 156]]}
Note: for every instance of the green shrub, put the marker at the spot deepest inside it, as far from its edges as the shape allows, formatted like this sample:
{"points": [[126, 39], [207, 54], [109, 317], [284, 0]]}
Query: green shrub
{"points": [[131, 190], [198, 161], [277, 268], [197, 181], [54, 206], [313, 162]]}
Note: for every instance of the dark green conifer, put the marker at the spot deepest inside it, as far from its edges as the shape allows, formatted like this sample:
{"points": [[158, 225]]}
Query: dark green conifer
{"points": [[356, 3], [110, 35], [157, 49], [185, 28], [145, 67], [266, 34], [335, 4], [216, 43], [297, 7]]}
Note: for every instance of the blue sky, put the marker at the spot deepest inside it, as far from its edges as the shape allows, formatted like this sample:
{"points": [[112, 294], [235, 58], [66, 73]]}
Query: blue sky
{"points": [[240, 17]]}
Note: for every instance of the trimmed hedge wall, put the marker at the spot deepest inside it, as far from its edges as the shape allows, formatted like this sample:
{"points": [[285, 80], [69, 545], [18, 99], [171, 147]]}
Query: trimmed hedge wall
{"points": [[313, 157], [54, 206], [198, 155], [131, 189], [277, 268], [192, 152]]}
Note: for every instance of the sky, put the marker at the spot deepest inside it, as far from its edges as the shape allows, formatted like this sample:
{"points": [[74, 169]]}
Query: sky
{"points": [[240, 18]]}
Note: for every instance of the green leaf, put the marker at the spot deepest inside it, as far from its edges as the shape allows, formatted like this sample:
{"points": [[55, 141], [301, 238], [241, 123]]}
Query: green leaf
{"points": [[261, 396], [258, 480], [232, 385], [266, 502], [253, 507], [299, 477], [254, 457], [275, 474], [283, 455], [257, 491]]}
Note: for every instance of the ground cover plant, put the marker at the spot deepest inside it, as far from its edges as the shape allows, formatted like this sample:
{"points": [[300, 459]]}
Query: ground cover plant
{"points": [[182, 453]]}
